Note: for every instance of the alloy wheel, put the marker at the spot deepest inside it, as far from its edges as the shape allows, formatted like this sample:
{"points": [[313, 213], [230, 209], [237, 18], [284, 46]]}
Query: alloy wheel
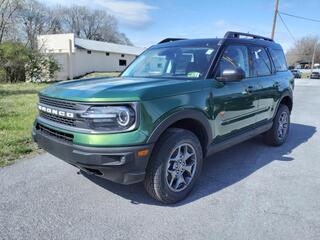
{"points": [[283, 124], [181, 167]]}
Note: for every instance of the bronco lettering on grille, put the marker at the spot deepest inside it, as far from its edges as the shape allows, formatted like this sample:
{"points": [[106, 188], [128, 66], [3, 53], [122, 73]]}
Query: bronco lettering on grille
{"points": [[56, 112]]}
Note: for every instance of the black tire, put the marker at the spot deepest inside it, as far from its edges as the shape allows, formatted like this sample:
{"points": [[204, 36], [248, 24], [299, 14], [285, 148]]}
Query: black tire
{"points": [[156, 180], [272, 137]]}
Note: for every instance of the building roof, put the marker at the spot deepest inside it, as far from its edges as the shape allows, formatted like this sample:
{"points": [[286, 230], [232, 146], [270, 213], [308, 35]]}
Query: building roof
{"points": [[106, 47]]}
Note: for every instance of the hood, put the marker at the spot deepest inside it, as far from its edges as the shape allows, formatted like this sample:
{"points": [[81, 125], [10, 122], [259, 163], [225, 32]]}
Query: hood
{"points": [[120, 89]]}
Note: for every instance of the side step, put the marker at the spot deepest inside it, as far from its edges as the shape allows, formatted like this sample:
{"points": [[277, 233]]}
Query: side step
{"points": [[216, 147]]}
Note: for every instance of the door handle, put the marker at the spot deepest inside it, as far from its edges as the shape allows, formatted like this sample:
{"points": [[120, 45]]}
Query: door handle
{"points": [[276, 84]]}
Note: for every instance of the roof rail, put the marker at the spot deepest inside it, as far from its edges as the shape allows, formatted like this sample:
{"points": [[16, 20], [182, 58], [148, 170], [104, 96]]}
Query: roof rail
{"points": [[170, 40], [238, 34]]}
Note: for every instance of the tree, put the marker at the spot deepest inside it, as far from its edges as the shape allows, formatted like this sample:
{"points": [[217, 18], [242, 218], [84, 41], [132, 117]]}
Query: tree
{"points": [[124, 39], [34, 17], [13, 57], [21, 21], [73, 19], [54, 20], [38, 19], [8, 12], [20, 63], [93, 24], [303, 50]]}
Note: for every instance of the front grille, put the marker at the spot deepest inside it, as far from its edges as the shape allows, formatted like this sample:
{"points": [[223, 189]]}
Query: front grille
{"points": [[58, 119], [54, 133], [59, 103]]}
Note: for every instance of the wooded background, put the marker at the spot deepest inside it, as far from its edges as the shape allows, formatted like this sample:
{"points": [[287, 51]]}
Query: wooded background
{"points": [[21, 21]]}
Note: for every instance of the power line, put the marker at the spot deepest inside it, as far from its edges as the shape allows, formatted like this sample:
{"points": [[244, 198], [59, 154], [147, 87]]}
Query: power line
{"points": [[300, 17], [294, 39]]}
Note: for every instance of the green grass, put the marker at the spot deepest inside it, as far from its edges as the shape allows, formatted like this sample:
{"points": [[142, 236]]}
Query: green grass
{"points": [[17, 113], [102, 74]]}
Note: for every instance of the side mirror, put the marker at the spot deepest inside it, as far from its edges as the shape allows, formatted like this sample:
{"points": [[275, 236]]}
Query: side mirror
{"points": [[230, 75]]}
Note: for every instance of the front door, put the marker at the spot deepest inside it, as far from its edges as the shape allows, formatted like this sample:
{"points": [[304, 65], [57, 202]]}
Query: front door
{"points": [[234, 103]]}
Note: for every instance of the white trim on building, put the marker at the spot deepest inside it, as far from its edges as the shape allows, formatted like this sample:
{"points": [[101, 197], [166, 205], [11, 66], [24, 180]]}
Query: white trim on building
{"points": [[77, 56]]}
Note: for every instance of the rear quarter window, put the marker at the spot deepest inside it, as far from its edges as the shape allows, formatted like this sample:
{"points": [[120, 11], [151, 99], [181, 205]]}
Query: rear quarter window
{"points": [[279, 59]]}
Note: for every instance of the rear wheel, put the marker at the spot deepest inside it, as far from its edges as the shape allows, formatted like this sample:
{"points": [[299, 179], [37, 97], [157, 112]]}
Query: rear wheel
{"points": [[278, 134], [175, 166]]}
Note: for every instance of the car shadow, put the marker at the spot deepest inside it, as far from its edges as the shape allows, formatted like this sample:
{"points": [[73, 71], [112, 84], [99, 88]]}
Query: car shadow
{"points": [[222, 169]]}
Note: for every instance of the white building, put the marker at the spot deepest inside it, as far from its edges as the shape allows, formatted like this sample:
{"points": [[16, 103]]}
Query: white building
{"points": [[77, 57]]}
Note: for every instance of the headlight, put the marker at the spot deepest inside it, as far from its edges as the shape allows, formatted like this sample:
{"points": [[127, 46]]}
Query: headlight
{"points": [[110, 118]]}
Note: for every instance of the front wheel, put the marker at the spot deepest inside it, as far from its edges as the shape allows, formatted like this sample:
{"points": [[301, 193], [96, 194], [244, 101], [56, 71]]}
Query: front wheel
{"points": [[278, 134], [174, 167]]}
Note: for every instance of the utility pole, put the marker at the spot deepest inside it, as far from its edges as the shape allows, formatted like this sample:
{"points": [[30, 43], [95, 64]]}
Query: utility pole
{"points": [[313, 55], [275, 18]]}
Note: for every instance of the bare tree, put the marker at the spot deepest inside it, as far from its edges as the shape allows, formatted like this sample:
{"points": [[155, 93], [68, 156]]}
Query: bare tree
{"points": [[123, 39], [8, 11], [93, 24], [55, 20], [34, 16], [36, 19], [303, 50], [26, 19], [73, 19]]}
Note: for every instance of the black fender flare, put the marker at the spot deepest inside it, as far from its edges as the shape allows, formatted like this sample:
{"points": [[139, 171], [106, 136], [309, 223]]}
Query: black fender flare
{"points": [[286, 93], [180, 115]]}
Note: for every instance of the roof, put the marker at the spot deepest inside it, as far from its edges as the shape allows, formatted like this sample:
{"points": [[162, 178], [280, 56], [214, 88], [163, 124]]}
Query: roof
{"points": [[106, 47]]}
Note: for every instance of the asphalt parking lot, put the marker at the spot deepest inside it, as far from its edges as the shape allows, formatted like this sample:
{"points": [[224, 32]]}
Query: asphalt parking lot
{"points": [[250, 191]]}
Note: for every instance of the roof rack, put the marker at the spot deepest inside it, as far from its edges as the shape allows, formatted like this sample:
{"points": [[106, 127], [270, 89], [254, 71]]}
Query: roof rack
{"points": [[238, 34], [171, 40]]}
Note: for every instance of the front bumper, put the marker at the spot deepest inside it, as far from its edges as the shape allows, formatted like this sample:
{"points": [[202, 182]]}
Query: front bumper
{"points": [[118, 164]]}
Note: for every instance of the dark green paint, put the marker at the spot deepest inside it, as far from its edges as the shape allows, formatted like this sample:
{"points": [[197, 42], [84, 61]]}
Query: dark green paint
{"points": [[227, 107]]}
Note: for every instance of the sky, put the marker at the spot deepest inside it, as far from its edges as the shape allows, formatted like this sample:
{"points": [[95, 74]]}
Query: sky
{"points": [[146, 22]]}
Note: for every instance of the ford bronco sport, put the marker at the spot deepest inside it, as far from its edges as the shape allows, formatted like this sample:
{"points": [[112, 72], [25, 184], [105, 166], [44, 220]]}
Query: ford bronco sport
{"points": [[178, 102]]}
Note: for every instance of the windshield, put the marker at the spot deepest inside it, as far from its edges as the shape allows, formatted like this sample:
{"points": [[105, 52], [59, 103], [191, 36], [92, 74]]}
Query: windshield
{"points": [[172, 62]]}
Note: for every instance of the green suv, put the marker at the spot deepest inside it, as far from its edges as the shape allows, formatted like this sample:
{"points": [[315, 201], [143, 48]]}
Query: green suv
{"points": [[178, 102]]}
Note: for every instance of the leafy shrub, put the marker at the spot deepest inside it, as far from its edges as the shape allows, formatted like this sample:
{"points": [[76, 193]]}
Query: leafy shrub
{"points": [[41, 68], [19, 63], [13, 57]]}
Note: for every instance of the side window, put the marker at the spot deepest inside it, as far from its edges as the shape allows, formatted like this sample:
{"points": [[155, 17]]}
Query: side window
{"points": [[261, 62], [278, 59], [234, 57]]}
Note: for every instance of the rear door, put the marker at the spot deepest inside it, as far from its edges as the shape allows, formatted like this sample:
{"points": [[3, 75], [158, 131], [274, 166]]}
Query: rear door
{"points": [[282, 77], [264, 74]]}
